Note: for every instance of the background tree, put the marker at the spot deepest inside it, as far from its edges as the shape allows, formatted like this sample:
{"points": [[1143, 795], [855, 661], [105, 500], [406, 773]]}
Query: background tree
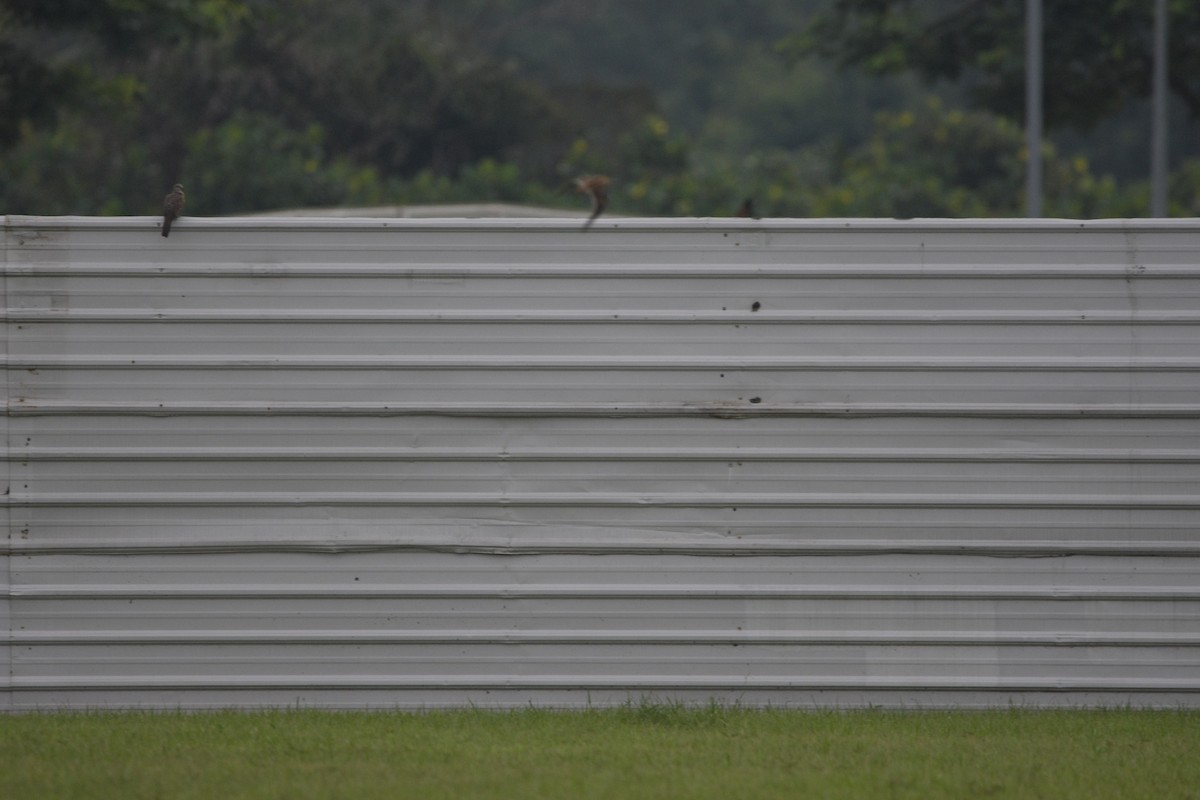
{"points": [[940, 162], [1097, 56], [55, 54], [687, 104]]}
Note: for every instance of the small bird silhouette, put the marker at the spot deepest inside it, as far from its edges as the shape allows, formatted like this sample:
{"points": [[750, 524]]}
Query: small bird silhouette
{"points": [[172, 205], [595, 187], [746, 209]]}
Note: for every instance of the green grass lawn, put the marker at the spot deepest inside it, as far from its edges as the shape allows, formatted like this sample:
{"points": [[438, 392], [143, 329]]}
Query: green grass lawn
{"points": [[637, 752]]}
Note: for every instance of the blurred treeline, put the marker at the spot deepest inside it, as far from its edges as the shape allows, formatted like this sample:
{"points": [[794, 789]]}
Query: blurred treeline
{"points": [[811, 107]]}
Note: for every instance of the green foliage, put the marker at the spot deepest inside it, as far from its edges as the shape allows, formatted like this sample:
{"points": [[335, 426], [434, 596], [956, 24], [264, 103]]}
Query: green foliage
{"points": [[1184, 190], [385, 95], [940, 162], [255, 162], [73, 169], [1097, 53], [57, 54], [770, 104], [686, 104], [483, 182]]}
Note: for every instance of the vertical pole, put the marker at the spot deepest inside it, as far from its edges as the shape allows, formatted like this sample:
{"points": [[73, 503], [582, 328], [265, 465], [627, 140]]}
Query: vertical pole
{"points": [[1158, 135], [1033, 107]]}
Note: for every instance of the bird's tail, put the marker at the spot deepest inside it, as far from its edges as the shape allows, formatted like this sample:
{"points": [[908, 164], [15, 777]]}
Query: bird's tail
{"points": [[166, 231], [592, 218]]}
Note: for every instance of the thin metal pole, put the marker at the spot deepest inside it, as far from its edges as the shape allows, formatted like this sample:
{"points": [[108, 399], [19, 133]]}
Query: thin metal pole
{"points": [[1158, 135], [1033, 107]]}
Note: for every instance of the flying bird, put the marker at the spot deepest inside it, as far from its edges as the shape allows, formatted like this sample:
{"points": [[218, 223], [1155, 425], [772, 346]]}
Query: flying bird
{"points": [[595, 187], [172, 206]]}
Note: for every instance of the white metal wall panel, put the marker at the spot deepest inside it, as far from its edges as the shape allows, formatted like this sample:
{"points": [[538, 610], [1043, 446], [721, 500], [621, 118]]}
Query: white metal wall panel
{"points": [[415, 463]]}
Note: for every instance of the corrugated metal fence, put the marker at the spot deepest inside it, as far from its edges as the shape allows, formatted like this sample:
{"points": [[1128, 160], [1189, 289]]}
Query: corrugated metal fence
{"points": [[422, 463]]}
